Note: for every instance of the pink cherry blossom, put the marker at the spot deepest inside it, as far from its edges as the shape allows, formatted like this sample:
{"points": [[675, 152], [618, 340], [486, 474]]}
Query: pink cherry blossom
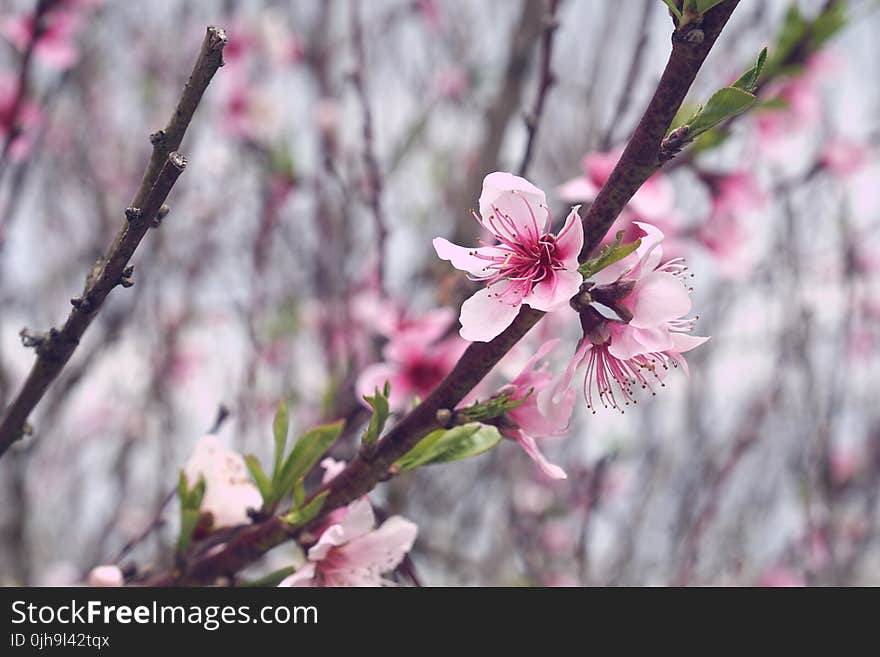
{"points": [[229, 492], [55, 46], [635, 350], [843, 157], [415, 359], [735, 196], [23, 124], [354, 553], [531, 421], [109, 576], [528, 265], [654, 200], [781, 576]]}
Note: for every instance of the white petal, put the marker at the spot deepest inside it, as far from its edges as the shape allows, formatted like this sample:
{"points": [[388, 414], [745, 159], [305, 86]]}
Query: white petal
{"points": [[483, 316]]}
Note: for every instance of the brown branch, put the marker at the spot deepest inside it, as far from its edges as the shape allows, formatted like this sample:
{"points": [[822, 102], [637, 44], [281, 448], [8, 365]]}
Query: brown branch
{"points": [[373, 177], [362, 474], [641, 158], [55, 347], [546, 79]]}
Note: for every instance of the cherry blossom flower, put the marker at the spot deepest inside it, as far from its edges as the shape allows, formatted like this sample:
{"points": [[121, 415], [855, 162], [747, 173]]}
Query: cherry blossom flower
{"points": [[781, 576], [531, 421], [28, 117], [652, 202], [528, 265], [105, 576], [229, 492], [651, 301], [843, 157], [354, 553], [55, 46], [415, 359]]}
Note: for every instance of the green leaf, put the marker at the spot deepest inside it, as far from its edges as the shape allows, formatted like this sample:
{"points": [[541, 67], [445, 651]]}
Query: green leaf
{"points": [[673, 8], [279, 428], [724, 104], [445, 445], [612, 253], [299, 493], [189, 518], [305, 454], [748, 81], [304, 515], [794, 30], [260, 478], [827, 24], [705, 5], [491, 408], [381, 410], [272, 580]]}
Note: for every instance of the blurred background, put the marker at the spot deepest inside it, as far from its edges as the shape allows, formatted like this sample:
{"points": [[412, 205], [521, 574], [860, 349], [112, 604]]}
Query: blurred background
{"points": [[286, 267]]}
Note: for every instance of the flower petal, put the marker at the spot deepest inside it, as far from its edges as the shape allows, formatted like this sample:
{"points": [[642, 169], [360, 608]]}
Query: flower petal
{"points": [[554, 293], [658, 298], [577, 189], [570, 240], [531, 448], [463, 258], [305, 576], [517, 200], [682, 342], [654, 199], [483, 316], [383, 549]]}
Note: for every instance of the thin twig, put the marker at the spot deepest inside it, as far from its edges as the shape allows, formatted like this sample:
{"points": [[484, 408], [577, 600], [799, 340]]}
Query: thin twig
{"points": [[546, 79], [55, 347]]}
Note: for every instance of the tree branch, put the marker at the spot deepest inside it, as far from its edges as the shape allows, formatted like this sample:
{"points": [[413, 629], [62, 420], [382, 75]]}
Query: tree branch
{"points": [[363, 473], [55, 347]]}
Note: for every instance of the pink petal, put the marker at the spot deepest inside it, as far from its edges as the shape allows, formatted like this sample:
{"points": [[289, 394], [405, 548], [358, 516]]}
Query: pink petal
{"points": [[358, 521], [600, 165], [462, 258], [554, 293], [483, 316], [654, 199], [516, 198], [682, 342], [577, 189], [383, 549], [624, 344], [305, 576], [375, 376], [531, 448], [570, 240], [658, 298]]}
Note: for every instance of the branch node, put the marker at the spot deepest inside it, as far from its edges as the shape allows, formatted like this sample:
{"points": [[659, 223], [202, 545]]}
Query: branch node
{"points": [[160, 215], [133, 214], [126, 279], [445, 418], [82, 304], [158, 137]]}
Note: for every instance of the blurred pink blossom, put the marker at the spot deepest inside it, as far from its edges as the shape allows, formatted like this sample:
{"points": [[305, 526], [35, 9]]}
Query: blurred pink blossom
{"points": [[55, 46], [530, 421], [229, 492], [109, 576], [781, 576], [353, 553], [843, 157], [25, 123], [528, 265]]}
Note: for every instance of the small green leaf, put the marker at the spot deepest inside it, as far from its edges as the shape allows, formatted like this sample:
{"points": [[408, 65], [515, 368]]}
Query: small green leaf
{"points": [[612, 253], [299, 493], [183, 490], [827, 24], [748, 81], [272, 580], [305, 454], [381, 410], [491, 408], [189, 518], [673, 8], [705, 5], [279, 428], [260, 478], [445, 445], [304, 515], [724, 104]]}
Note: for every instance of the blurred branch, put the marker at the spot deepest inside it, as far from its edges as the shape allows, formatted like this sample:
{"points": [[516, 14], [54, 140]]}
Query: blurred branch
{"points": [[55, 347], [546, 80], [373, 177]]}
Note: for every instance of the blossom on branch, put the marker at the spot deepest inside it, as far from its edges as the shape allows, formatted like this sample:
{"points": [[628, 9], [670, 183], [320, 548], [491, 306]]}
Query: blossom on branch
{"points": [[526, 265], [353, 552]]}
